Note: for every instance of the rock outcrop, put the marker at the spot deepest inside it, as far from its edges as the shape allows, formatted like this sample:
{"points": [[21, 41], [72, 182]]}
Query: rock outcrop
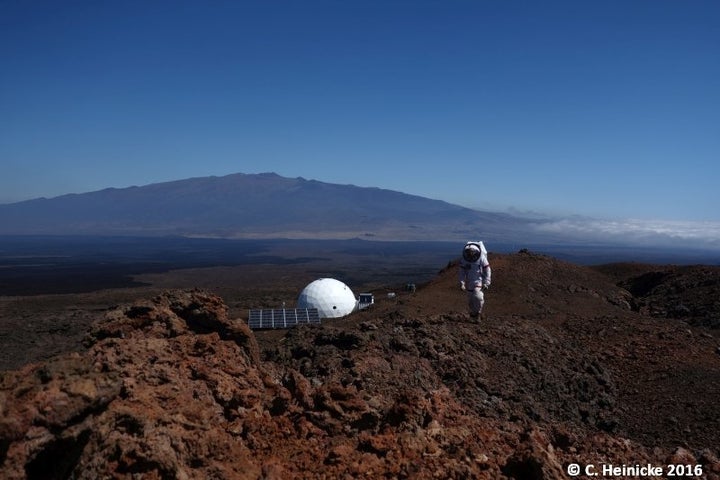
{"points": [[172, 388]]}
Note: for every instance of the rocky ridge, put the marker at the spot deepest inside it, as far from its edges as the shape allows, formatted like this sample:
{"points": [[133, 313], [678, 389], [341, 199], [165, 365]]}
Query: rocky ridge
{"points": [[562, 370]]}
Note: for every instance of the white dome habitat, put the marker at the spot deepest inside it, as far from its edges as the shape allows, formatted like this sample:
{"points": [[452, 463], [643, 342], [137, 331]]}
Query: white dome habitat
{"points": [[331, 297]]}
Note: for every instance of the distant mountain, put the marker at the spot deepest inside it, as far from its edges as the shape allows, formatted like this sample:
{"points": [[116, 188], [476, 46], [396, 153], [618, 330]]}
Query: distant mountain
{"points": [[256, 206]]}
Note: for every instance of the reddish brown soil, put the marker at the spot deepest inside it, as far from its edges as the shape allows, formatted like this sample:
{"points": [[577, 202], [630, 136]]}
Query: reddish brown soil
{"points": [[565, 367]]}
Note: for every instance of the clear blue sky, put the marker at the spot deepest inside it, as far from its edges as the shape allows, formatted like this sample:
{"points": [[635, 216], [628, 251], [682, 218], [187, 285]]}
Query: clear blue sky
{"points": [[603, 108]]}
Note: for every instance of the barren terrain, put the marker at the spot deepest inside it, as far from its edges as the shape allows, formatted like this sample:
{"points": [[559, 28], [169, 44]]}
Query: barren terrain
{"points": [[615, 365]]}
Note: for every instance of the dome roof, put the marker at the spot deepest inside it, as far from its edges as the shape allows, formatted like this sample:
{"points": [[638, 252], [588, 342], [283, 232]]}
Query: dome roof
{"points": [[331, 297]]}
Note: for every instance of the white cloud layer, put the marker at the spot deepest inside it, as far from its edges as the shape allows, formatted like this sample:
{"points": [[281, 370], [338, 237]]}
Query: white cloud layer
{"points": [[633, 231]]}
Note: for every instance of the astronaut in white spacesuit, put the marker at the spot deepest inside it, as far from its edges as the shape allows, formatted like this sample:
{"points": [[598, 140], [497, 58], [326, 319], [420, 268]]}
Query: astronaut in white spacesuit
{"points": [[474, 275]]}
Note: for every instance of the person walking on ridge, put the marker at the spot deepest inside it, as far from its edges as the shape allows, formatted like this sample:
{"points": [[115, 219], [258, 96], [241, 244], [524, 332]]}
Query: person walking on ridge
{"points": [[474, 275]]}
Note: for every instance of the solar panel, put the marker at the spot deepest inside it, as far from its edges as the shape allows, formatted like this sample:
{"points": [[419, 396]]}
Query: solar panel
{"points": [[282, 317]]}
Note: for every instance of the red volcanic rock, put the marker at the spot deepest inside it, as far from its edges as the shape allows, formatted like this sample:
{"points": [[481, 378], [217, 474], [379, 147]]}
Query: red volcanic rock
{"points": [[561, 371], [150, 395]]}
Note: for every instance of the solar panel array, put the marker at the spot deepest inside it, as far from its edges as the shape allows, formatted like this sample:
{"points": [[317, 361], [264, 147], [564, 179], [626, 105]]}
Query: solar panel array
{"points": [[282, 317]]}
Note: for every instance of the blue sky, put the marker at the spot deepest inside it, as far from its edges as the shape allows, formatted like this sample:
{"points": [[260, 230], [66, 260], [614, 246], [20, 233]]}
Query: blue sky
{"points": [[600, 108]]}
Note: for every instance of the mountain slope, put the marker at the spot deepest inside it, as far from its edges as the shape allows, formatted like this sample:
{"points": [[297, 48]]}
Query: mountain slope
{"points": [[561, 371], [261, 205]]}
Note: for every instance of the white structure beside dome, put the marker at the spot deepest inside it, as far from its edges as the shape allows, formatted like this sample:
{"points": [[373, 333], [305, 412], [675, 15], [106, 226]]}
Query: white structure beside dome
{"points": [[331, 297]]}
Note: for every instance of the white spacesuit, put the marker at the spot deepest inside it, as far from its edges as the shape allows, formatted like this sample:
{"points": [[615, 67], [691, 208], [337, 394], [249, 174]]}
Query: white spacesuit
{"points": [[474, 275]]}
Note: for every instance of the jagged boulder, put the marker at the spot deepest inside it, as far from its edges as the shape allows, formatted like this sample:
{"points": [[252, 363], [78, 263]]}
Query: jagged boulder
{"points": [[163, 389]]}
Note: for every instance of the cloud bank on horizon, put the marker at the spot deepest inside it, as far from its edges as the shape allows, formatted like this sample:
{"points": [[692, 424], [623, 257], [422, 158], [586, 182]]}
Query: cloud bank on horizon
{"points": [[693, 234]]}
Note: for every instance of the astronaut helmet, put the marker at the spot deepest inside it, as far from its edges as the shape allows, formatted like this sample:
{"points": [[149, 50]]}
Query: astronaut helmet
{"points": [[471, 252]]}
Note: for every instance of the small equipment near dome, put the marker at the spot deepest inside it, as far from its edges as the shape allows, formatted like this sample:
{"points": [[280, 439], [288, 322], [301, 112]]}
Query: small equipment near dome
{"points": [[365, 300]]}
